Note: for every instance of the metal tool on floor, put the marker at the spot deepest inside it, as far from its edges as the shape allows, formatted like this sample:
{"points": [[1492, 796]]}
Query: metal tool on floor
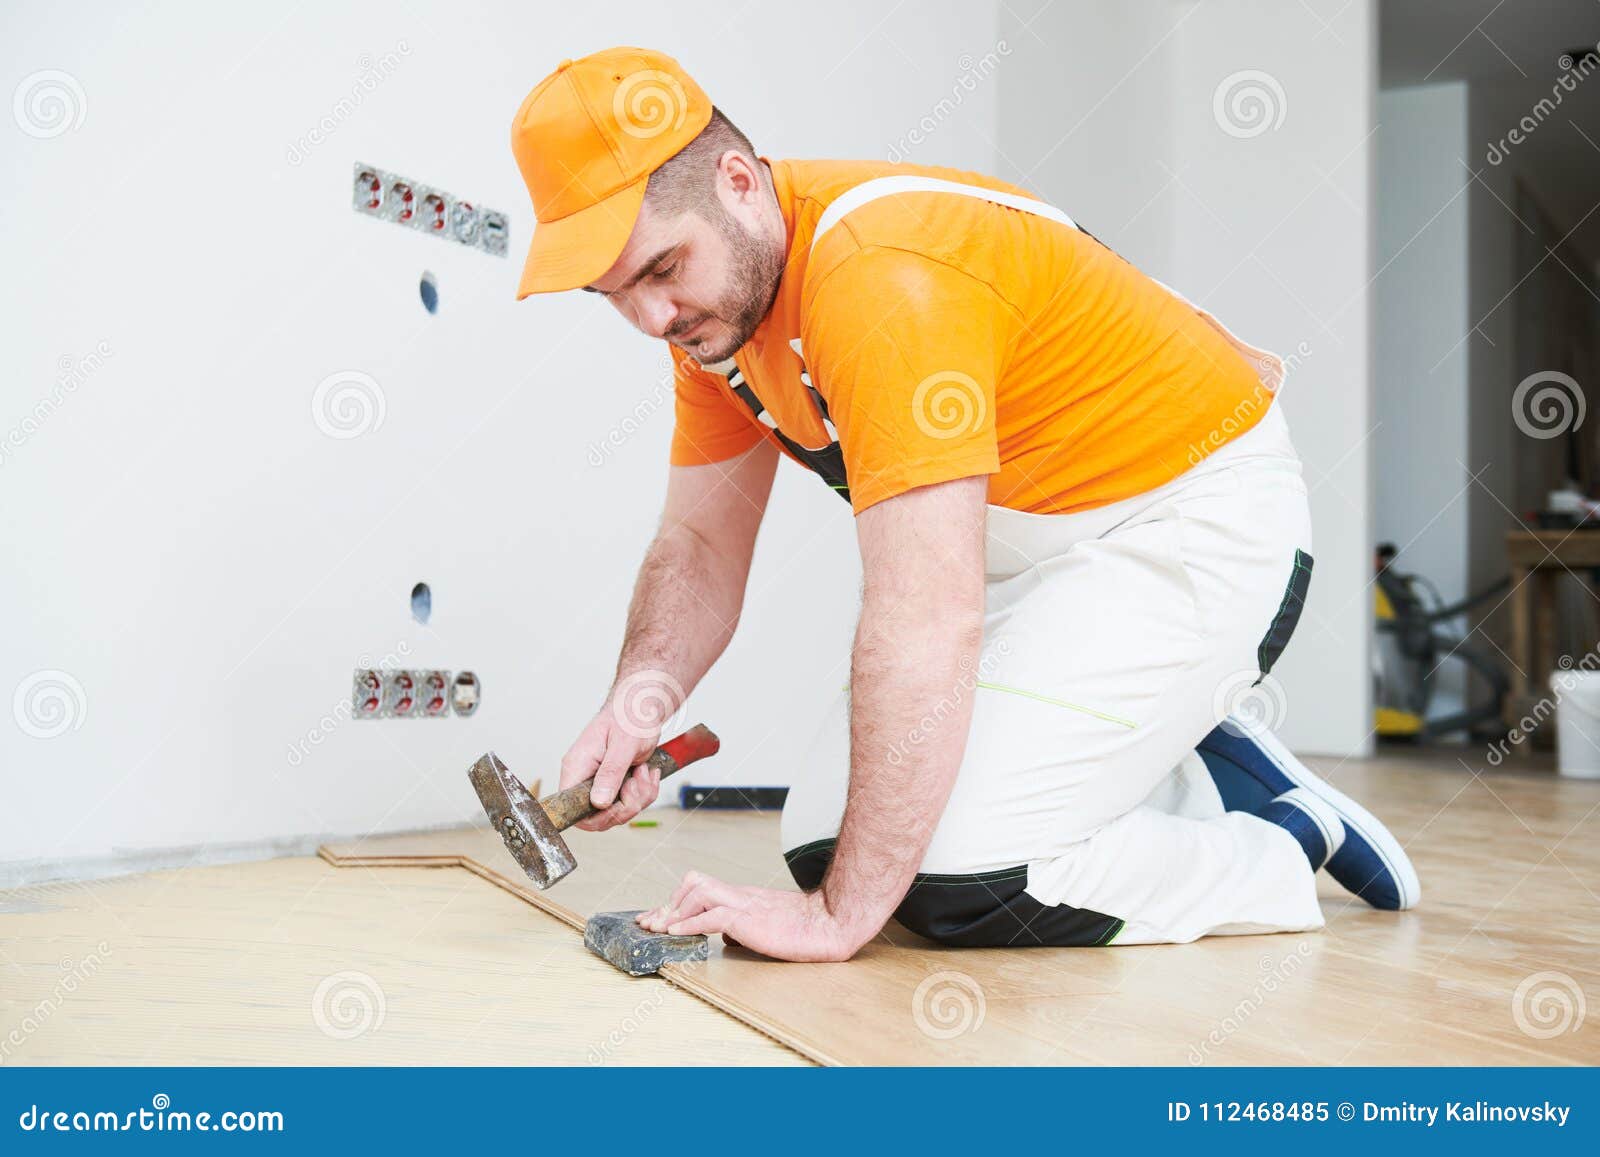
{"points": [[617, 937], [532, 828]]}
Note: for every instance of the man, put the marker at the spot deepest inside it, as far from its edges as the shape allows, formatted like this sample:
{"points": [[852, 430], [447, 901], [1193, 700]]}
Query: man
{"points": [[1082, 528]]}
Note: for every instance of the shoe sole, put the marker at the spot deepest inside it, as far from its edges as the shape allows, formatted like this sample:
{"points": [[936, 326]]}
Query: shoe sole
{"points": [[1358, 819]]}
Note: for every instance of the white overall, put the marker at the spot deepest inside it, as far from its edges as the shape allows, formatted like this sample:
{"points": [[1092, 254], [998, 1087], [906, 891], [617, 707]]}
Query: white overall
{"points": [[1112, 639]]}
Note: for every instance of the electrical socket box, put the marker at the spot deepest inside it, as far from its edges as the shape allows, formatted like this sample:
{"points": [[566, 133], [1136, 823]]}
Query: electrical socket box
{"points": [[407, 694], [433, 694], [366, 694], [390, 197], [400, 695]]}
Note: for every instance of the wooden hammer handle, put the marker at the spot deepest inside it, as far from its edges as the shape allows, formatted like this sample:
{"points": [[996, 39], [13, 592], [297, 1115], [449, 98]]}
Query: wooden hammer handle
{"points": [[570, 805]]}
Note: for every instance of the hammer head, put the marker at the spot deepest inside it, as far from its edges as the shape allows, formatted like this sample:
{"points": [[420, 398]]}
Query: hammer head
{"points": [[529, 836]]}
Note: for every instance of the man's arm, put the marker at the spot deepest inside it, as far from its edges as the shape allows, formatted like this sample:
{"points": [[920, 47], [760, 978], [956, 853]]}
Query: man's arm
{"points": [[911, 691], [913, 674], [685, 607]]}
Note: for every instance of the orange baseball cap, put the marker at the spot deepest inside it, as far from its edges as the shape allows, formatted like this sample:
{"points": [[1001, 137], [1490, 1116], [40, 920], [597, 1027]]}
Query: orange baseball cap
{"points": [[587, 139]]}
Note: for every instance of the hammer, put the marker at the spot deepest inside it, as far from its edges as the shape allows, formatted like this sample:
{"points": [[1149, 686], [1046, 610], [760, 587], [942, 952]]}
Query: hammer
{"points": [[532, 828]]}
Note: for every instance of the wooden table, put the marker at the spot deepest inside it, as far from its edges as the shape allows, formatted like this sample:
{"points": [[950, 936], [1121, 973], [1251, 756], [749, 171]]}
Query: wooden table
{"points": [[1536, 558]]}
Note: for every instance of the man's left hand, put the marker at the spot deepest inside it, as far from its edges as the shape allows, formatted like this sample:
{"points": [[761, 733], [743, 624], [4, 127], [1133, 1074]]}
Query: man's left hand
{"points": [[786, 925]]}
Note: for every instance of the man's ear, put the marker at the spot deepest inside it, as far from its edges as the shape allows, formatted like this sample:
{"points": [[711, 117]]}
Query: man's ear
{"points": [[738, 178]]}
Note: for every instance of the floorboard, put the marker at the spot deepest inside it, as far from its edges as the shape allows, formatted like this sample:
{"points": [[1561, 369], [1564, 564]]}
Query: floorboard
{"points": [[294, 961], [1509, 864], [365, 957]]}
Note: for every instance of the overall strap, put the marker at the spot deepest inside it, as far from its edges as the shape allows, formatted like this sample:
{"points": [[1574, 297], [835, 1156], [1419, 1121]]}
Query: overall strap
{"points": [[826, 461], [880, 187]]}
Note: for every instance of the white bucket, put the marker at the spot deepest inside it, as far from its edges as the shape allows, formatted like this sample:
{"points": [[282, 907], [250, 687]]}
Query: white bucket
{"points": [[1577, 723]]}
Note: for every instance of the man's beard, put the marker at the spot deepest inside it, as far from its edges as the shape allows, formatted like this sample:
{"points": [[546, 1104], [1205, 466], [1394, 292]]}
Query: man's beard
{"points": [[752, 287]]}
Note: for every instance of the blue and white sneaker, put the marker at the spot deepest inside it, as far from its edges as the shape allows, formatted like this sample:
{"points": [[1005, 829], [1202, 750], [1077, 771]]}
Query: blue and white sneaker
{"points": [[1251, 769], [1311, 820]]}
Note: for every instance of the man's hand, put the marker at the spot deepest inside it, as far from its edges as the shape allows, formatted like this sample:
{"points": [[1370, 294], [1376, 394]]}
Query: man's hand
{"points": [[785, 925], [606, 750]]}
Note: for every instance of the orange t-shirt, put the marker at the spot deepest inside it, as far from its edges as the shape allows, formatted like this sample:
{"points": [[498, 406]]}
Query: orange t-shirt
{"points": [[952, 336]]}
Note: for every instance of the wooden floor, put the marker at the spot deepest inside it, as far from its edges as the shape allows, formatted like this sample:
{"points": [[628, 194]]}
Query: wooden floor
{"points": [[300, 960], [295, 961]]}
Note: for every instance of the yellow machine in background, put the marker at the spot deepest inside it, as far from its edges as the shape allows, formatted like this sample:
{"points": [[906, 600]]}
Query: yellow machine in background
{"points": [[1394, 717], [1413, 641]]}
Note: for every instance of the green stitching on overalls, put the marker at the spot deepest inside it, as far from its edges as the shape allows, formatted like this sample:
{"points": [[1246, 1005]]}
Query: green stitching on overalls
{"points": [[1128, 723]]}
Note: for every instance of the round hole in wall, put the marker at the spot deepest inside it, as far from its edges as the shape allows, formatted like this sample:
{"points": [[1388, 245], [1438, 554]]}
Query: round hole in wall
{"points": [[428, 287], [421, 602]]}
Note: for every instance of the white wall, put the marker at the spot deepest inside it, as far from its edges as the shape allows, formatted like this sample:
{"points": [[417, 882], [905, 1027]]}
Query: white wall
{"points": [[1086, 118], [1424, 493], [1275, 235], [206, 567], [1115, 118]]}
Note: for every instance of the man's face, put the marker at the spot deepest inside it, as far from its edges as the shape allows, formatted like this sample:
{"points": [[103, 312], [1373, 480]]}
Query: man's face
{"points": [[702, 280]]}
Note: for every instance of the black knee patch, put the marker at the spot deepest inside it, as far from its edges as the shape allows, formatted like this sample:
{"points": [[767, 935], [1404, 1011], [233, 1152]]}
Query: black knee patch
{"points": [[1288, 616], [981, 910], [809, 862]]}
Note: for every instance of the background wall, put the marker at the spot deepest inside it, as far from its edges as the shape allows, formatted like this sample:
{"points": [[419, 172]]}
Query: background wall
{"points": [[195, 564], [1520, 121], [1276, 115], [1421, 316], [1225, 148]]}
